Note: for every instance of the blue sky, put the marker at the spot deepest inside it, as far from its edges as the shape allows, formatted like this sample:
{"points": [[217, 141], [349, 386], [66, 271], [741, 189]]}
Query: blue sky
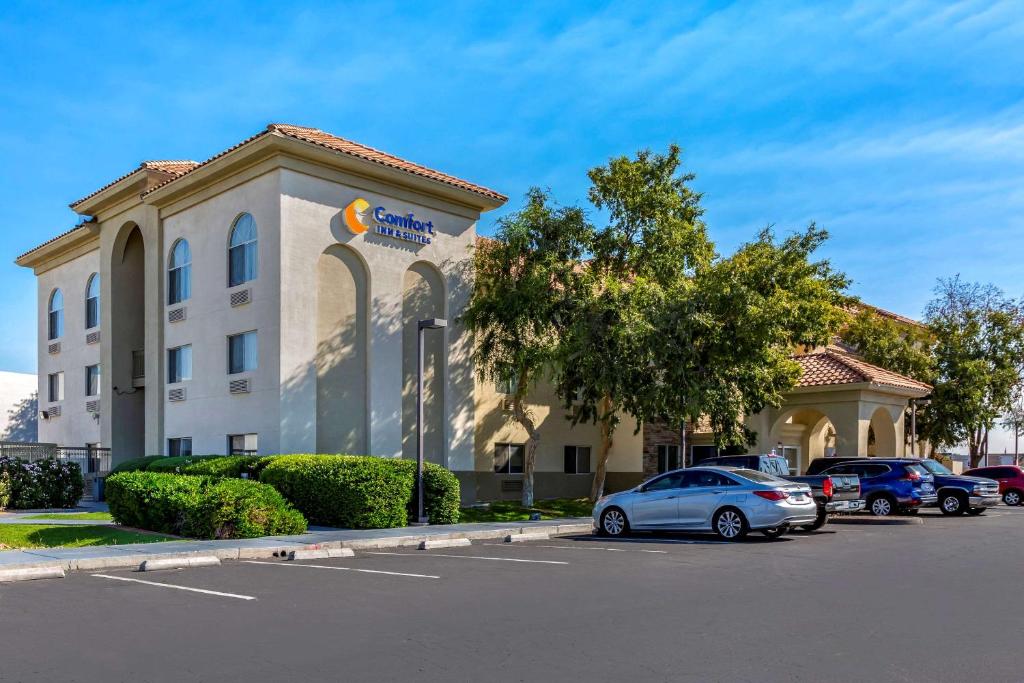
{"points": [[898, 126]]}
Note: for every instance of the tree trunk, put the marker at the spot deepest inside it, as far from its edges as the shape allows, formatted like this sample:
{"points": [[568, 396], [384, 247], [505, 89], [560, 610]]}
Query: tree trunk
{"points": [[532, 439], [605, 408]]}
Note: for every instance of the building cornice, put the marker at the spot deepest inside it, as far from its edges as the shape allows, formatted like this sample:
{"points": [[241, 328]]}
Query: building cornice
{"points": [[70, 245]]}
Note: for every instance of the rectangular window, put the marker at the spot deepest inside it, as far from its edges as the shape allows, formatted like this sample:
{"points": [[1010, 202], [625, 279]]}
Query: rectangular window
{"points": [[577, 459], [509, 458], [179, 364], [56, 387], [92, 312], [92, 380], [179, 284], [243, 444], [668, 458], [242, 353], [180, 446], [507, 386], [241, 263]]}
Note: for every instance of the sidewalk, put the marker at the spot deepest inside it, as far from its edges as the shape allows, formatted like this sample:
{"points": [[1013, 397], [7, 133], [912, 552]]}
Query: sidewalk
{"points": [[25, 516], [132, 555]]}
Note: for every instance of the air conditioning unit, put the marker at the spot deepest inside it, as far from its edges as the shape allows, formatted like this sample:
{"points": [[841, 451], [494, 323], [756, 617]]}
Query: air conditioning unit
{"points": [[54, 348], [175, 395], [92, 406], [241, 297], [508, 404], [176, 315], [92, 337], [239, 386], [45, 414]]}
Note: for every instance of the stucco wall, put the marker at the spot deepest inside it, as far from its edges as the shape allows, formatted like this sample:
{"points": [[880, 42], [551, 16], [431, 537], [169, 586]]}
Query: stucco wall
{"points": [[75, 426]]}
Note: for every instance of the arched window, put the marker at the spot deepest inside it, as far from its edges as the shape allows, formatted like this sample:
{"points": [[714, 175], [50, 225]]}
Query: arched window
{"points": [[242, 251], [179, 273], [55, 325], [92, 302]]}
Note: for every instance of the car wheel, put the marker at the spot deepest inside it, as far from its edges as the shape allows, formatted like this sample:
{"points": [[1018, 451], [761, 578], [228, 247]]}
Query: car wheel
{"points": [[777, 532], [952, 504], [974, 512], [820, 521], [882, 506], [1011, 497], [614, 523], [730, 524]]}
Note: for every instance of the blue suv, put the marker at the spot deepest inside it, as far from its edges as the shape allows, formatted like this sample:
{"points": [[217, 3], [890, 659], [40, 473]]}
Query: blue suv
{"points": [[889, 485]]}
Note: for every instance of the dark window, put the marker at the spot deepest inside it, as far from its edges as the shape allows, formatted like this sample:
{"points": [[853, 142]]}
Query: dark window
{"points": [[181, 446], [242, 251], [700, 479], [179, 364], [92, 302], [668, 458], [179, 273], [55, 317], [243, 444], [671, 481], [243, 354], [509, 458], [577, 459], [699, 454], [55, 386], [92, 380]]}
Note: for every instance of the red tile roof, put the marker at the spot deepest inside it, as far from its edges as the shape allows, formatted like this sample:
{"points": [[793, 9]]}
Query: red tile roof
{"points": [[173, 167], [78, 228], [832, 367], [334, 143]]}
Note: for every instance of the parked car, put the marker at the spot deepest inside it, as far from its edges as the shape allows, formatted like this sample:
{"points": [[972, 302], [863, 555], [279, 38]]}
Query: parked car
{"points": [[1010, 478], [889, 485], [832, 493], [729, 501], [960, 494]]}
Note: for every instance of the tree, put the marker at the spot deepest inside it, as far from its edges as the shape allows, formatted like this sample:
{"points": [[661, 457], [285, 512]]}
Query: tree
{"points": [[979, 350], [525, 282], [1014, 420]]}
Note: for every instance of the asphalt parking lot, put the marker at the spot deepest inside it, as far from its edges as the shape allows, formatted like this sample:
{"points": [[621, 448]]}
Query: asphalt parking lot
{"points": [[938, 600]]}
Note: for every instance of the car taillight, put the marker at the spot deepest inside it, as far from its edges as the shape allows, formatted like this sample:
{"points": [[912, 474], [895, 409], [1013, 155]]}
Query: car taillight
{"points": [[774, 494], [912, 475], [826, 487]]}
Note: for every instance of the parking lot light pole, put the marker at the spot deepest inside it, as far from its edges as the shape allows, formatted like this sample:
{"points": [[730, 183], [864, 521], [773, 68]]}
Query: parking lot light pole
{"points": [[914, 403], [429, 324]]}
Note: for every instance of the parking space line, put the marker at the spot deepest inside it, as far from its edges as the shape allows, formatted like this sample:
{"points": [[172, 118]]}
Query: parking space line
{"points": [[344, 569], [470, 557], [583, 547], [171, 585]]}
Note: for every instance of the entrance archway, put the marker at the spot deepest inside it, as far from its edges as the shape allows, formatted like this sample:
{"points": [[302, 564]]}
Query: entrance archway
{"points": [[882, 438], [127, 343]]}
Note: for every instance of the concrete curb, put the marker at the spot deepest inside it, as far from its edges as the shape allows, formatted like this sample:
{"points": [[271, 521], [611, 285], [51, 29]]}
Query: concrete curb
{"points": [[32, 573], [875, 521], [319, 554], [523, 538], [179, 563], [436, 543]]}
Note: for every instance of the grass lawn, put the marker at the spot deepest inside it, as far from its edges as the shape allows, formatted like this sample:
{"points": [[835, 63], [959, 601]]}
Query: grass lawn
{"points": [[52, 536], [512, 511], [101, 516]]}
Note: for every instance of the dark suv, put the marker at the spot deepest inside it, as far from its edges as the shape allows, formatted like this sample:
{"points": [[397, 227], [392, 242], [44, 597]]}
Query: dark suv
{"points": [[889, 485]]}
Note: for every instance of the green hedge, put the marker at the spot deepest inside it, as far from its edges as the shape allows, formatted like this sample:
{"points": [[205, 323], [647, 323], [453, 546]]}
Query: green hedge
{"points": [[136, 464], [200, 507], [361, 492], [177, 464], [41, 484]]}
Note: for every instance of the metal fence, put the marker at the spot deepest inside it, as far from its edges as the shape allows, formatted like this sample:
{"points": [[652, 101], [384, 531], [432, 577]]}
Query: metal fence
{"points": [[92, 459]]}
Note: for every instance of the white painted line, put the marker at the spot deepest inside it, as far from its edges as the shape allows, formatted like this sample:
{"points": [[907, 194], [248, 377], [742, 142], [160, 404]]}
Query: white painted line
{"points": [[171, 585], [584, 547], [472, 557], [344, 569]]}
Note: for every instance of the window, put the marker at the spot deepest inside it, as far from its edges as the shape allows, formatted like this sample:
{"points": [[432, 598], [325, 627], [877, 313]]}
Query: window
{"points": [[668, 458], [507, 386], [179, 364], [242, 251], [699, 454], [179, 273], [243, 444], [509, 458], [92, 380], [55, 320], [180, 446], [92, 302], [671, 481], [243, 355], [56, 387], [703, 479], [577, 459]]}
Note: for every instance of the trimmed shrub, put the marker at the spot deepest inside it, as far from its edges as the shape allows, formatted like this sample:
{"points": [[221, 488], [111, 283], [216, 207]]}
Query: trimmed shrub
{"points": [[361, 492], [42, 484], [136, 464], [177, 463], [226, 466], [201, 507]]}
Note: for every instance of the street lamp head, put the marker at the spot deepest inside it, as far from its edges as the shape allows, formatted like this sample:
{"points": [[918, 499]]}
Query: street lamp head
{"points": [[433, 324]]}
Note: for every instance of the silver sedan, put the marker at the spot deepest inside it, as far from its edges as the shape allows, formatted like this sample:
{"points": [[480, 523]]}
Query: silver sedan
{"points": [[726, 500]]}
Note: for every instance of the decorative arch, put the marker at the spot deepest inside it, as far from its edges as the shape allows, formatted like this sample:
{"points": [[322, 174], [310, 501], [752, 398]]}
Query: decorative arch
{"points": [[127, 338], [342, 362], [424, 295], [882, 439]]}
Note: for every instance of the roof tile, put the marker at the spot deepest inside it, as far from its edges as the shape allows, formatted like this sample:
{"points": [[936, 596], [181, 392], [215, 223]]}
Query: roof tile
{"points": [[832, 367]]}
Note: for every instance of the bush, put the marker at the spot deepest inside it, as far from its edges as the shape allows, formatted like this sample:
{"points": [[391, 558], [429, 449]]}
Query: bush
{"points": [[136, 464], [177, 463], [201, 507], [5, 490], [361, 492], [42, 484], [226, 466]]}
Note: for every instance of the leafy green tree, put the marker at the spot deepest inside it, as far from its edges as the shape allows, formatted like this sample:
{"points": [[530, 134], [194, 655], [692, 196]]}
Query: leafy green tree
{"points": [[979, 350], [525, 282]]}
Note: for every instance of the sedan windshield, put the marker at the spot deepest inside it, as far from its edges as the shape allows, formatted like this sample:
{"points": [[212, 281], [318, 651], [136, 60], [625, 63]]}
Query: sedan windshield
{"points": [[754, 475], [935, 467]]}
